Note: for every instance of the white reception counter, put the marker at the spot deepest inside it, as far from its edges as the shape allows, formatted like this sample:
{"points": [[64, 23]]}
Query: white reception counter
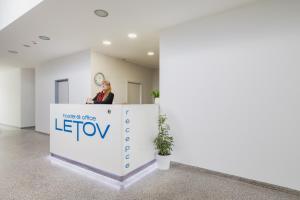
{"points": [[112, 140]]}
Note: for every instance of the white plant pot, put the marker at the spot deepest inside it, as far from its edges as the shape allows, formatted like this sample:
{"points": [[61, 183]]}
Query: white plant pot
{"points": [[163, 162], [156, 100]]}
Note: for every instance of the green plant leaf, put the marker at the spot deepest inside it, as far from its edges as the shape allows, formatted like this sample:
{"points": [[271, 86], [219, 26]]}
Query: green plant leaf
{"points": [[163, 142], [155, 94]]}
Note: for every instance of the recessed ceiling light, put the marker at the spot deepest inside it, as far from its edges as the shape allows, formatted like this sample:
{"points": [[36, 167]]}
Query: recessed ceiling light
{"points": [[150, 53], [26, 45], [106, 42], [101, 13], [43, 37], [13, 51], [132, 35]]}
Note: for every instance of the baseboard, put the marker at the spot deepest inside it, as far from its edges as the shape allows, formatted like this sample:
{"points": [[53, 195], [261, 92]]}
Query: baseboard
{"points": [[238, 178], [43, 133], [10, 126], [28, 127], [18, 127]]}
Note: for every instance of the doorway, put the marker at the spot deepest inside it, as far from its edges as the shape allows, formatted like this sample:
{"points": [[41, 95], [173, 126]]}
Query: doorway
{"points": [[134, 93], [62, 91]]}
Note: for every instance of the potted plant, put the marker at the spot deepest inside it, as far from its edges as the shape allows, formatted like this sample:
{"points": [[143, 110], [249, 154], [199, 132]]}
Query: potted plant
{"points": [[163, 144], [155, 95]]}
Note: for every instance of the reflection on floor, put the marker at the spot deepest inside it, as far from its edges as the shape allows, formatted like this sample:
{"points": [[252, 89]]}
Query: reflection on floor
{"points": [[26, 173]]}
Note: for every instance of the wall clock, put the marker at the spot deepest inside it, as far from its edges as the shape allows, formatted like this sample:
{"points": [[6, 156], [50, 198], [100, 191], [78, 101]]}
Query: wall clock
{"points": [[98, 78]]}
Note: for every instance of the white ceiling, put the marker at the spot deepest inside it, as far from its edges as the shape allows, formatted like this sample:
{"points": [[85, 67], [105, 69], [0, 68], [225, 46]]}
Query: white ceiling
{"points": [[10, 10], [73, 27]]}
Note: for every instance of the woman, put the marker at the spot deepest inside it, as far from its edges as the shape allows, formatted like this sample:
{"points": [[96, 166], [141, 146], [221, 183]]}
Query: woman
{"points": [[105, 96]]}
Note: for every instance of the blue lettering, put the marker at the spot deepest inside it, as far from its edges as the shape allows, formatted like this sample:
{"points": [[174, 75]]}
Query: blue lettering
{"points": [[59, 129], [94, 129], [67, 126], [106, 130], [89, 128], [78, 122]]}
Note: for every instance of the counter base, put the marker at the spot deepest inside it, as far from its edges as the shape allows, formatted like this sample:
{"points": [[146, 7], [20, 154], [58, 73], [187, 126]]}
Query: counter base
{"points": [[122, 181]]}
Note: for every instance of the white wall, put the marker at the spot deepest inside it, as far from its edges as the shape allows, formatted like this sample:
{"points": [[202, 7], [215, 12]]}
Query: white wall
{"points": [[10, 97], [119, 73], [230, 86], [17, 97], [156, 79], [28, 98], [76, 68], [10, 10]]}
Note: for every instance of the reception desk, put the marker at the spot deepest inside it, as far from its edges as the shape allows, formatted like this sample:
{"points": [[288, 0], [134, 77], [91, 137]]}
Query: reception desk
{"points": [[112, 140]]}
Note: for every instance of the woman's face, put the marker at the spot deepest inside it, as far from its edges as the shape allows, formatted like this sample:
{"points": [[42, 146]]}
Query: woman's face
{"points": [[104, 87]]}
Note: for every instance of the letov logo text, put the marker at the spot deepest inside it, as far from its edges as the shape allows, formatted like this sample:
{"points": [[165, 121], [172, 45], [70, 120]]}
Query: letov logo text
{"points": [[89, 128]]}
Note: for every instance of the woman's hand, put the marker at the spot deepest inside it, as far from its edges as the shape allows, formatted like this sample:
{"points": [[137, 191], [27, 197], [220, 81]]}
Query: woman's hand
{"points": [[89, 101]]}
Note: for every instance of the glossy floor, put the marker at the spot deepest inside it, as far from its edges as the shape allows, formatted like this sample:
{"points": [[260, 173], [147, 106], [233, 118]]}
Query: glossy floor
{"points": [[26, 173]]}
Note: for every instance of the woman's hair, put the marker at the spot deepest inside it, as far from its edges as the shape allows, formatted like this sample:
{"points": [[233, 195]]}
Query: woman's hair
{"points": [[107, 83]]}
